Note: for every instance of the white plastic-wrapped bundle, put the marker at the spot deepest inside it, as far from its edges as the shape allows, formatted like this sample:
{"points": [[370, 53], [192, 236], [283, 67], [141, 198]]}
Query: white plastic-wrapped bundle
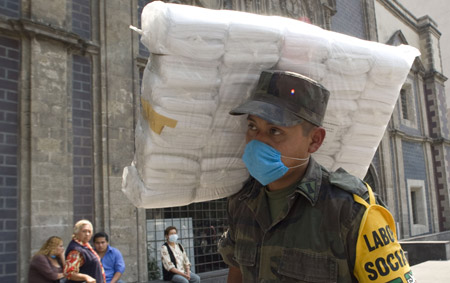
{"points": [[306, 52], [364, 79], [183, 30], [204, 63], [251, 41]]}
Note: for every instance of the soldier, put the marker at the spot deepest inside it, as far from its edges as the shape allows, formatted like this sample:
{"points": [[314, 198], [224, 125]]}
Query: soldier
{"points": [[294, 221]]}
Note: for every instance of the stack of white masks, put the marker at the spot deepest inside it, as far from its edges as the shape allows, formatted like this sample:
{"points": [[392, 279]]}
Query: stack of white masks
{"points": [[203, 63]]}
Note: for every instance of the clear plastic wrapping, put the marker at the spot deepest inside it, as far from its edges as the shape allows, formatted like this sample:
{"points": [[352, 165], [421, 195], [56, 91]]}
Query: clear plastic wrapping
{"points": [[203, 63]]}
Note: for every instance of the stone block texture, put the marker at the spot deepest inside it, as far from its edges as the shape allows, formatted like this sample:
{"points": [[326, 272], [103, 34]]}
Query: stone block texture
{"points": [[446, 169], [81, 18], [83, 191], [442, 110], [433, 111], [349, 9], [441, 155], [438, 128], [10, 8], [9, 75]]}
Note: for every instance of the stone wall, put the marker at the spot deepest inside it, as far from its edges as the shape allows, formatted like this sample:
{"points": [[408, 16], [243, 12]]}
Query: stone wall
{"points": [[75, 132]]}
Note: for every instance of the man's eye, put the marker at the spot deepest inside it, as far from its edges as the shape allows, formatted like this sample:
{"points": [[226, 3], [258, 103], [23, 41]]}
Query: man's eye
{"points": [[275, 131], [251, 127]]}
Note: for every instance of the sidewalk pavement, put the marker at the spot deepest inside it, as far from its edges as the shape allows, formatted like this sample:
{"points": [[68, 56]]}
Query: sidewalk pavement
{"points": [[432, 271]]}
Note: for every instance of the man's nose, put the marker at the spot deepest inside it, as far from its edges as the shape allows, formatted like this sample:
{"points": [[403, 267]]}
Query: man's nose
{"points": [[262, 137]]}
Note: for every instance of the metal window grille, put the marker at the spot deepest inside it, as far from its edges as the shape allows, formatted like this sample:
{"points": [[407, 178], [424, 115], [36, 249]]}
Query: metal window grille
{"points": [[199, 226]]}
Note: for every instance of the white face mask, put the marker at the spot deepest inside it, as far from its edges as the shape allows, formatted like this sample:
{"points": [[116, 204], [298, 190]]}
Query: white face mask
{"points": [[173, 238]]}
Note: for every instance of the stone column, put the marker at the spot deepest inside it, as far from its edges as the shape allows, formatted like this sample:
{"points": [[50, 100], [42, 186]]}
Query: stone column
{"points": [[438, 124], [45, 145], [118, 76]]}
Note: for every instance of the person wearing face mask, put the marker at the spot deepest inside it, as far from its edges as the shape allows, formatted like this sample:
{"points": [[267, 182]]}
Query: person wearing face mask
{"points": [[293, 220], [175, 262]]}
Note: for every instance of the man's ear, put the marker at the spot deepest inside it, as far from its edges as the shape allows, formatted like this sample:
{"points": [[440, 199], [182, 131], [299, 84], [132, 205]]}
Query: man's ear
{"points": [[317, 137]]}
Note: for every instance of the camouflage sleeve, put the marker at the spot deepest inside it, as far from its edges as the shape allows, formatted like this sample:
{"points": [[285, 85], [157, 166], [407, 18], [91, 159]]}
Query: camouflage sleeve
{"points": [[227, 242]]}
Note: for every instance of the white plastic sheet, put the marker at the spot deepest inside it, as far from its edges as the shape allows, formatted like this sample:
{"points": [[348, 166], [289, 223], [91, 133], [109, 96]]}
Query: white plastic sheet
{"points": [[205, 62]]}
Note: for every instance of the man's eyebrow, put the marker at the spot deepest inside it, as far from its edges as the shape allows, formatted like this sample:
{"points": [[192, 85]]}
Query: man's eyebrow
{"points": [[268, 123]]}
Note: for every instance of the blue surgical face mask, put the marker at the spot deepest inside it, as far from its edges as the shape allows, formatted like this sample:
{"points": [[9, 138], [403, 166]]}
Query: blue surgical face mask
{"points": [[53, 256], [173, 238], [264, 162]]}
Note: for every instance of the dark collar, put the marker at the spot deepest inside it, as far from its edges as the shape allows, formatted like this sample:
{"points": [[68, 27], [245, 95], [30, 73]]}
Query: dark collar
{"points": [[309, 185]]}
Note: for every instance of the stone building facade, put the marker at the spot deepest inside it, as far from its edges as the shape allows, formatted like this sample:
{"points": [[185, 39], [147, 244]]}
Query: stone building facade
{"points": [[68, 86], [70, 74], [439, 13], [416, 142], [410, 169]]}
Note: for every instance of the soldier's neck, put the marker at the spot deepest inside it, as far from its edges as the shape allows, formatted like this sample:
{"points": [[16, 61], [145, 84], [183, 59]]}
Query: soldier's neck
{"points": [[291, 177]]}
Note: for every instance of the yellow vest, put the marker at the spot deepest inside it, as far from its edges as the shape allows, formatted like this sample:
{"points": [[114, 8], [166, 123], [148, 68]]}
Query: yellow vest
{"points": [[379, 256]]}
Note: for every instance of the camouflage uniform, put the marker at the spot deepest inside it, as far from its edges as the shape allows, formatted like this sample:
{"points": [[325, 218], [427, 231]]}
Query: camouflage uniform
{"points": [[312, 240]]}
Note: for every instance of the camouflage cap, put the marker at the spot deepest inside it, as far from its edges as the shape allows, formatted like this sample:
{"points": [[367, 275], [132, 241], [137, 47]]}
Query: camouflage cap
{"points": [[286, 98]]}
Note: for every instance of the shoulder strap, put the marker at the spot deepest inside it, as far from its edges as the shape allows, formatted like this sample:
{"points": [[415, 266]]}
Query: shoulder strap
{"points": [[172, 256], [181, 247], [360, 200]]}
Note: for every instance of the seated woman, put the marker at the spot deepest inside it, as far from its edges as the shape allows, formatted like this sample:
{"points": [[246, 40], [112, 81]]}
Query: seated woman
{"points": [[176, 265], [82, 262], [46, 266]]}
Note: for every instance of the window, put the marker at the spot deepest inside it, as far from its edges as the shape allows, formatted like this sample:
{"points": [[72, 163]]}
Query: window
{"points": [[10, 8], [414, 205], [404, 103], [199, 226], [81, 18], [407, 106], [10, 54], [83, 187], [418, 208]]}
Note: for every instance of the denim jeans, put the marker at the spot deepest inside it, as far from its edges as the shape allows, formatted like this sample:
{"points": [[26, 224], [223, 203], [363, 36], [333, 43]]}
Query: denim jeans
{"points": [[180, 279]]}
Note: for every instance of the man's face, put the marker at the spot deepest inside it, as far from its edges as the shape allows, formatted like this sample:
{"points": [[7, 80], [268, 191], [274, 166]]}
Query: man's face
{"points": [[85, 233], [100, 244], [290, 141]]}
